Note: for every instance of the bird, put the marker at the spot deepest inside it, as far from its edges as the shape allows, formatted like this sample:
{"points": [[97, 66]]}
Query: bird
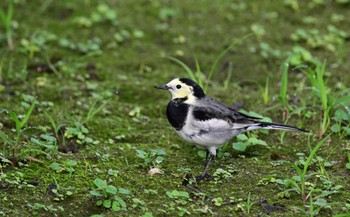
{"points": [[205, 122]]}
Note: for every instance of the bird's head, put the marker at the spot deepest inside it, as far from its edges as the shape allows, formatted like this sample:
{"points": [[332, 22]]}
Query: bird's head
{"points": [[181, 88]]}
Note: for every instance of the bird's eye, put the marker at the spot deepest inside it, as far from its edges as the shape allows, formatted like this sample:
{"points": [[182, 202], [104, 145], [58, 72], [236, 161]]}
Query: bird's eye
{"points": [[178, 86]]}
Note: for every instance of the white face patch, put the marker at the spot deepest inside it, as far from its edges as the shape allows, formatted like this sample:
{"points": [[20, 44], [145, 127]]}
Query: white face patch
{"points": [[180, 90]]}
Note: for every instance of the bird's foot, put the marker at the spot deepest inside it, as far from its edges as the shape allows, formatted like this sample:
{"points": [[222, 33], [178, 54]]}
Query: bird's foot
{"points": [[204, 177], [191, 182], [190, 179]]}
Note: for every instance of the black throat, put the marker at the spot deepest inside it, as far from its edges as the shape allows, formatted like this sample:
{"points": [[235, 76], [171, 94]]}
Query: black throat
{"points": [[177, 111]]}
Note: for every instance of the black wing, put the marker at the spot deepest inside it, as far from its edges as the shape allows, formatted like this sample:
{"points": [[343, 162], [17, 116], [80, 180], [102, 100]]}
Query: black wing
{"points": [[245, 115], [210, 108]]}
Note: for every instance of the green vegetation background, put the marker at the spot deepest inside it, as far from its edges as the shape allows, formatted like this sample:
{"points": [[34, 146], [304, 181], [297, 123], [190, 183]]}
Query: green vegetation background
{"points": [[81, 124]]}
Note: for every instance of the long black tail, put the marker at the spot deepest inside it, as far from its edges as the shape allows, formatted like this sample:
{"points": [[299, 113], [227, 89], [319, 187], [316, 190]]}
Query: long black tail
{"points": [[277, 126]]}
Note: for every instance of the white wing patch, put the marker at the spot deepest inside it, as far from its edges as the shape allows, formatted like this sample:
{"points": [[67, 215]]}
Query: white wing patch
{"points": [[246, 127], [212, 125]]}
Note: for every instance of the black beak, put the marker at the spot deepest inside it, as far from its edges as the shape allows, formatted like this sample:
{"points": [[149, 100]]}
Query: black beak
{"points": [[162, 86]]}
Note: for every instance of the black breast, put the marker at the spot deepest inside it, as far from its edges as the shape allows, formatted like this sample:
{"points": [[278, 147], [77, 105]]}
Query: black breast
{"points": [[177, 113]]}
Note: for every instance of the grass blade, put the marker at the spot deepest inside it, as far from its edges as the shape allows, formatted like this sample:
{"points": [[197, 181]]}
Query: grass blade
{"points": [[341, 100], [284, 84], [265, 93], [93, 110], [5, 138], [320, 69], [199, 73], [187, 69], [16, 120], [10, 14], [53, 123], [222, 54], [3, 17], [313, 152], [26, 117], [298, 170]]}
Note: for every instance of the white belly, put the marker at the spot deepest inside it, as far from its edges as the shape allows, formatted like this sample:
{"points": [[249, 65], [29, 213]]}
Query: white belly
{"points": [[209, 133], [205, 140]]}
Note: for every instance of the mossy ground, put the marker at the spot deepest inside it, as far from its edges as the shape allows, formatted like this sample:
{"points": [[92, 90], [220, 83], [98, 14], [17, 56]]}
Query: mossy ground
{"points": [[122, 63]]}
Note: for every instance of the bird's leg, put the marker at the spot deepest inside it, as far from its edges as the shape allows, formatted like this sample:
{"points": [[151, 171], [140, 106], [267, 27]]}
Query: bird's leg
{"points": [[187, 181], [206, 157], [207, 164]]}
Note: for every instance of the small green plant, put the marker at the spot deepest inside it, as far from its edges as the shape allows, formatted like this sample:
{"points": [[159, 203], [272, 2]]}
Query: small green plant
{"points": [[137, 203], [244, 205], [66, 166], [31, 46], [47, 208], [46, 142], [80, 133], [37, 42], [248, 204], [342, 123], [267, 51], [56, 127], [181, 200], [331, 41], [266, 180], [135, 113], [319, 86], [314, 207], [58, 192], [13, 179], [94, 109], [102, 14], [165, 15], [108, 195], [328, 102], [92, 46], [258, 30], [125, 35], [218, 201], [222, 174], [103, 157], [244, 142], [6, 20], [152, 157], [299, 182], [299, 56], [347, 165], [20, 127], [60, 195], [293, 4]]}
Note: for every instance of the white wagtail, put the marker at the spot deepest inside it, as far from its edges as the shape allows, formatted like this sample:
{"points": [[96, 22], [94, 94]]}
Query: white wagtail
{"points": [[205, 122]]}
